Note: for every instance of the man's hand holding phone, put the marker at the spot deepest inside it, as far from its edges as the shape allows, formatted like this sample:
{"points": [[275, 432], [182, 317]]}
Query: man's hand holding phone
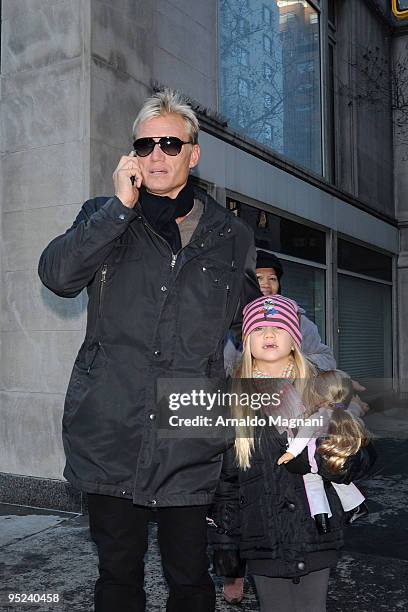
{"points": [[127, 179]]}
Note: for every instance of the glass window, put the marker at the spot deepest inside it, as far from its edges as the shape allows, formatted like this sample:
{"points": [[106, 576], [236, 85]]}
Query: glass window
{"points": [[307, 286], [359, 259], [241, 117], [268, 131], [242, 26], [268, 72], [243, 56], [365, 328], [243, 88], [266, 15], [268, 101], [291, 75], [288, 237]]}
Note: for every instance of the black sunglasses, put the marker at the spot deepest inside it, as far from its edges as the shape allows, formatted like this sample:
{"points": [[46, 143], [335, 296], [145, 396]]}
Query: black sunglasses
{"points": [[170, 145]]}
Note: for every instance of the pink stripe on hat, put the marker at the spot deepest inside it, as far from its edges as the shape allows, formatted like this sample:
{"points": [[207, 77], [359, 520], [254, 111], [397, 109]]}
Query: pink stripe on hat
{"points": [[272, 311]]}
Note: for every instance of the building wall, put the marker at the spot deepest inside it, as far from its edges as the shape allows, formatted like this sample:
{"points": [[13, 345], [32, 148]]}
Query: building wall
{"points": [[45, 177]]}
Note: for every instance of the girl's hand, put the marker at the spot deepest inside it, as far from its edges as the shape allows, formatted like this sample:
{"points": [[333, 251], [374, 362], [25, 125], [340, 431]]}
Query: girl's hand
{"points": [[286, 457]]}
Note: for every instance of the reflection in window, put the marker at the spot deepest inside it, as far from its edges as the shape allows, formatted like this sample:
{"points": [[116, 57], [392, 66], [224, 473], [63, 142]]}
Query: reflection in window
{"points": [[282, 66], [242, 26], [241, 117], [275, 233], [268, 135], [268, 101], [268, 72], [307, 286], [243, 88], [266, 15], [243, 56]]}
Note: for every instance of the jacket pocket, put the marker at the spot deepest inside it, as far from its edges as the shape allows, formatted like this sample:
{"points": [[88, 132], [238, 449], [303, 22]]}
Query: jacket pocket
{"points": [[125, 251], [88, 368], [217, 273]]}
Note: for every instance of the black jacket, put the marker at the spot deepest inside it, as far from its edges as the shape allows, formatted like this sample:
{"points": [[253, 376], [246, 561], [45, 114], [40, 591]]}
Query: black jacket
{"points": [[265, 513], [150, 315]]}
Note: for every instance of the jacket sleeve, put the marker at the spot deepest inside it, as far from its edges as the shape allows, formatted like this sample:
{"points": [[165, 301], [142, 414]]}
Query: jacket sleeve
{"points": [[297, 445], [250, 289], [70, 261], [314, 349], [223, 517]]}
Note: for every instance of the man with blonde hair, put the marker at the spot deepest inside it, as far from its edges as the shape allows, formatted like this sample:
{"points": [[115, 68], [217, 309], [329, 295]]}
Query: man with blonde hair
{"points": [[166, 269]]}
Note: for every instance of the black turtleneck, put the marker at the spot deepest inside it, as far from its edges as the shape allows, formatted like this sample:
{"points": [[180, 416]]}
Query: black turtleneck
{"points": [[161, 212]]}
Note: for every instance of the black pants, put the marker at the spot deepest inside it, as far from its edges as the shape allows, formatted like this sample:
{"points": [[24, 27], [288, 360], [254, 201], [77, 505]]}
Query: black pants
{"points": [[283, 595], [120, 530]]}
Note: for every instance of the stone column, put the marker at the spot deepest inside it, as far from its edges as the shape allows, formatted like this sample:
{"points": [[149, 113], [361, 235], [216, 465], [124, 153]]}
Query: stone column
{"points": [[45, 144]]}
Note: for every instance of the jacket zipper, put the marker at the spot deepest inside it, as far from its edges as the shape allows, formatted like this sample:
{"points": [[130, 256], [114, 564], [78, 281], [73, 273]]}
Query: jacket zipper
{"points": [[101, 287], [173, 255]]}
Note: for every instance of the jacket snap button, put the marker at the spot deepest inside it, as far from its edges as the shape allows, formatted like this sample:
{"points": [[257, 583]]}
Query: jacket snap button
{"points": [[152, 417], [153, 502], [204, 269], [202, 244], [292, 507], [157, 353], [163, 288], [301, 565], [121, 216], [229, 230], [123, 492], [242, 499], [221, 234]]}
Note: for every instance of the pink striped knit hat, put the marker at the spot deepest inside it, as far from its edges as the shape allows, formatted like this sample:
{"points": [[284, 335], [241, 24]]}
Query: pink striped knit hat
{"points": [[272, 311]]}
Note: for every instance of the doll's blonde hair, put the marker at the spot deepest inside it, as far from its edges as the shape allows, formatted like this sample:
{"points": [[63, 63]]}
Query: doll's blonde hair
{"points": [[345, 435], [304, 374]]}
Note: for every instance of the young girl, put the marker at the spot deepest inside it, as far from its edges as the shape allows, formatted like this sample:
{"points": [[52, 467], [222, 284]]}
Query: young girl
{"points": [[344, 435], [262, 507]]}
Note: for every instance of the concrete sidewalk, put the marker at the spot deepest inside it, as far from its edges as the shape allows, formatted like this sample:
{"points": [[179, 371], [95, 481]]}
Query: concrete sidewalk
{"points": [[51, 552]]}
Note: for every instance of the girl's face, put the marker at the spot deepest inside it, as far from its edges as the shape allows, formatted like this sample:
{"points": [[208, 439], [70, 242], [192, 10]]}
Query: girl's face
{"points": [[270, 344], [268, 280]]}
